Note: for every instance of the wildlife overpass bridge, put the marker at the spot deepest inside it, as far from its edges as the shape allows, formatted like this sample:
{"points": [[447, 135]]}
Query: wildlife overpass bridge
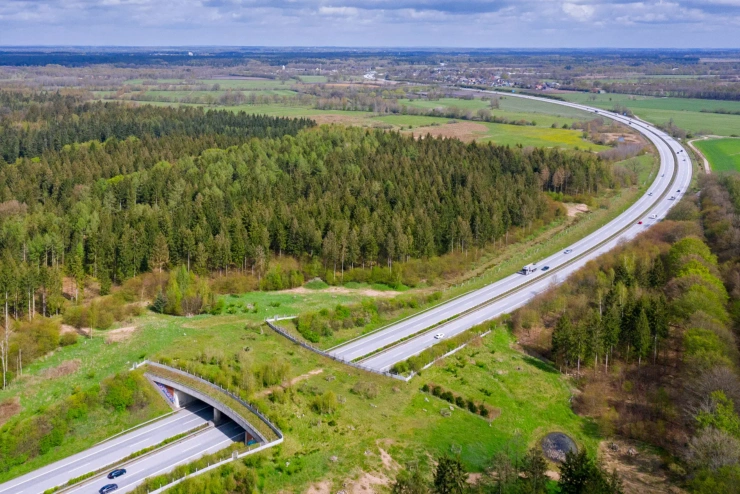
{"points": [[181, 387]]}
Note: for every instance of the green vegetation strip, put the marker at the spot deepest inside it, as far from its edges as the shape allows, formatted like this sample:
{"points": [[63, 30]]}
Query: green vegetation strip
{"points": [[130, 457], [222, 397]]}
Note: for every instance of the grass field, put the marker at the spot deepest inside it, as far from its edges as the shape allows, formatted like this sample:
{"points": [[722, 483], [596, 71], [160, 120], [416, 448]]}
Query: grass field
{"points": [[533, 398], [723, 154], [314, 79], [685, 112]]}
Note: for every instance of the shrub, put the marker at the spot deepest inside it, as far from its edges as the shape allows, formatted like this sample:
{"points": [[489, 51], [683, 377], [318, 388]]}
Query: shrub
{"points": [[325, 403], [425, 388], [368, 390], [460, 402], [68, 339]]}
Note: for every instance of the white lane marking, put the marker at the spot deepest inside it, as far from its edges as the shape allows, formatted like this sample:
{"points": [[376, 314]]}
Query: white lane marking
{"points": [[117, 443], [131, 465]]}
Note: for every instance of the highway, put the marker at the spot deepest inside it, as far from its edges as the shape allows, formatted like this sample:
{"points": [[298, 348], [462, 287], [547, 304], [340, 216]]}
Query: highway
{"points": [[109, 452], [165, 460], [516, 290]]}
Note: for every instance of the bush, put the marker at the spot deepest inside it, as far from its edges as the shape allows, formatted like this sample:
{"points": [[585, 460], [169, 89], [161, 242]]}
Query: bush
{"points": [[460, 402], [368, 390], [325, 403], [425, 388], [68, 339]]}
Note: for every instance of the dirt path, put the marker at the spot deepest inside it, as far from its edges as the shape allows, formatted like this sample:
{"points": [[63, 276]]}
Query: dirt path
{"points": [[707, 168], [293, 381]]}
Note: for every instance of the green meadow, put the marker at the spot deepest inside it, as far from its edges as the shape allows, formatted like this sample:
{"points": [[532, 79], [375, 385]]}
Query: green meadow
{"points": [[685, 112], [722, 154]]}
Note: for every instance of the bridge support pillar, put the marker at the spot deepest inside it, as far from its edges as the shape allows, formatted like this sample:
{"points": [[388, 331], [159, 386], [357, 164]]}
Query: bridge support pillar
{"points": [[216, 416]]}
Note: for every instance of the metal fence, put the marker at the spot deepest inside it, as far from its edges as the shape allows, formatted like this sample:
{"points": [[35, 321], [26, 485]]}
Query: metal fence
{"points": [[312, 348]]}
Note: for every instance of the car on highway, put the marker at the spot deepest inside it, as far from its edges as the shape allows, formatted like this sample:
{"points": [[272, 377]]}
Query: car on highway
{"points": [[672, 198], [439, 336], [545, 268], [117, 473], [663, 175], [653, 216], [650, 193], [639, 222], [108, 488], [567, 251], [679, 190]]}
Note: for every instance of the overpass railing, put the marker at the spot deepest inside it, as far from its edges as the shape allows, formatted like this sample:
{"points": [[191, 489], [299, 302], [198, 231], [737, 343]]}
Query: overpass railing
{"points": [[231, 402], [312, 348]]}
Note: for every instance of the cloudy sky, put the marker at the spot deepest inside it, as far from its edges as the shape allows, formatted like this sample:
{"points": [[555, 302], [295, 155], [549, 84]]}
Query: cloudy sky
{"points": [[438, 23]]}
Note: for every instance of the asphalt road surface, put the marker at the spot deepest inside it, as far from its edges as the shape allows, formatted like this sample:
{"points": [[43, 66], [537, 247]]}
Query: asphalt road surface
{"points": [[109, 452], [516, 290], [165, 460]]}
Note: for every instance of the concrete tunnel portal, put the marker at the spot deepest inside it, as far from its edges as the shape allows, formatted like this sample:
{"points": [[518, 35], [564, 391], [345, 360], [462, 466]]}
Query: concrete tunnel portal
{"points": [[180, 396]]}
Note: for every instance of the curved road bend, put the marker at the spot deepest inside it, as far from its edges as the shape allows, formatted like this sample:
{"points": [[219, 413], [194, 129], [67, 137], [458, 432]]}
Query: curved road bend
{"points": [[515, 290], [109, 452]]}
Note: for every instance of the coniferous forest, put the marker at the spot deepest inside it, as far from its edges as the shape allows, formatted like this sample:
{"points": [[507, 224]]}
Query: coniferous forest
{"points": [[110, 191]]}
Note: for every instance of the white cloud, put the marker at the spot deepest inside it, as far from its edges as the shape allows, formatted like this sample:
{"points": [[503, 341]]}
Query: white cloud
{"points": [[579, 12], [338, 11]]}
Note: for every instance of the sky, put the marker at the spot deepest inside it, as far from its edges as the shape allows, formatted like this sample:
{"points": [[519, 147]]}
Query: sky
{"points": [[374, 23]]}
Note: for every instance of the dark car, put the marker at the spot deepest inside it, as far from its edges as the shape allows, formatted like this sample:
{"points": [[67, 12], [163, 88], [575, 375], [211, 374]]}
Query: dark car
{"points": [[108, 488], [545, 268], [117, 473]]}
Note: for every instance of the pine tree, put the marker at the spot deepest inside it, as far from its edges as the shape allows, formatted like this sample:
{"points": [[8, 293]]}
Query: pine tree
{"points": [[450, 476], [160, 253]]}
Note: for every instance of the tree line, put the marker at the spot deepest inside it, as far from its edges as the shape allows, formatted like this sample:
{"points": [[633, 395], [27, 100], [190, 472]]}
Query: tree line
{"points": [[650, 331], [60, 120]]}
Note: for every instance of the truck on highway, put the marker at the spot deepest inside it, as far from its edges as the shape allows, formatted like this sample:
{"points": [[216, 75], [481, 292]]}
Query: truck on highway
{"points": [[528, 270]]}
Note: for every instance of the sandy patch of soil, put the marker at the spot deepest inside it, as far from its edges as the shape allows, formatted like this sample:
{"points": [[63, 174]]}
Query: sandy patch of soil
{"points": [[465, 131], [388, 462], [368, 482], [627, 138], [340, 290], [553, 475], [474, 478], [8, 408], [641, 473], [292, 382], [574, 209], [120, 334], [64, 369], [320, 488], [66, 328]]}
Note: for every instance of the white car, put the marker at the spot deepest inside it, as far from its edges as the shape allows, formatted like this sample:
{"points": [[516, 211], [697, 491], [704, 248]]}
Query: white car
{"points": [[653, 216], [439, 336], [650, 193], [567, 251]]}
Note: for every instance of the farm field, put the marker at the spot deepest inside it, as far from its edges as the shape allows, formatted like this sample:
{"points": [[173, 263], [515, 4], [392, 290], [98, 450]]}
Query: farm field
{"points": [[245, 84], [723, 154], [544, 114], [686, 113]]}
